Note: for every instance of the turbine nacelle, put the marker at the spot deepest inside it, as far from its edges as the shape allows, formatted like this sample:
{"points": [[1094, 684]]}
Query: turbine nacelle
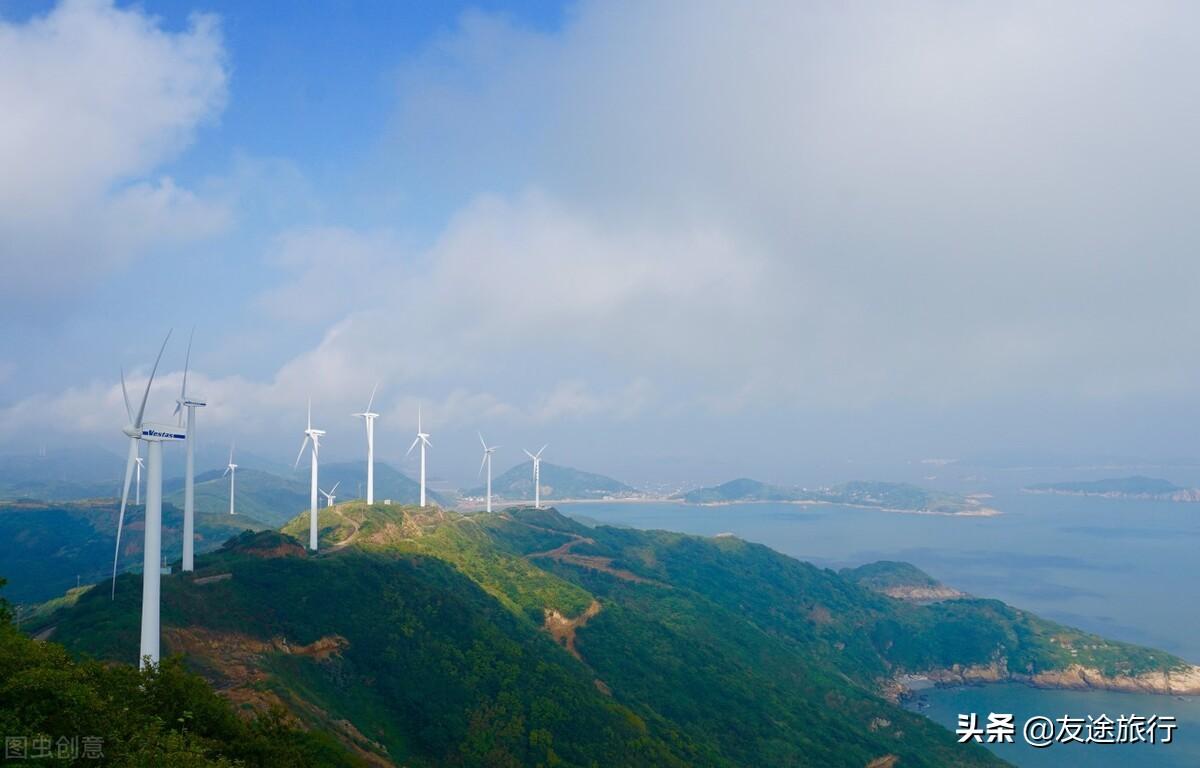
{"points": [[161, 432]]}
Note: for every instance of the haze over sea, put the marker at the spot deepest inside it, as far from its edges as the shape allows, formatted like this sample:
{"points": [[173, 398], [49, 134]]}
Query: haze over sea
{"points": [[1121, 568]]}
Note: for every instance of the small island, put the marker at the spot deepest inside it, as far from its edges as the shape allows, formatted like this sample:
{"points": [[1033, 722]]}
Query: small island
{"points": [[1135, 487], [891, 497]]}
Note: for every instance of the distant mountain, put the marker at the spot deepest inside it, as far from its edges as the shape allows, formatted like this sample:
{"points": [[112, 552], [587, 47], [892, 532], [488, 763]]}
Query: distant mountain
{"points": [[898, 496], [261, 496], [742, 489], [61, 474], [45, 545], [1135, 487], [558, 482], [390, 483], [273, 500]]}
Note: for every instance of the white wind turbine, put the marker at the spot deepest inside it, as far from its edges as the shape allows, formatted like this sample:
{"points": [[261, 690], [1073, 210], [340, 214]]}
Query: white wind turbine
{"points": [[189, 478], [487, 459], [537, 476], [231, 470], [315, 436], [153, 435], [423, 439], [370, 417], [137, 486], [329, 495]]}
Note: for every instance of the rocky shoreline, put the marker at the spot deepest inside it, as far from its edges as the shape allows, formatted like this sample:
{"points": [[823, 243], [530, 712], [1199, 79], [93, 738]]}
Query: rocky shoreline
{"points": [[1183, 681]]}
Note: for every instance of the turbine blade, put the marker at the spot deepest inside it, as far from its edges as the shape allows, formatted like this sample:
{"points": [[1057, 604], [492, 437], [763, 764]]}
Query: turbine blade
{"points": [[146, 395], [481, 440], [231, 453], [416, 440], [530, 455], [298, 455], [125, 393], [310, 413], [480, 472], [226, 472], [187, 359], [335, 485], [372, 400], [544, 447], [121, 518]]}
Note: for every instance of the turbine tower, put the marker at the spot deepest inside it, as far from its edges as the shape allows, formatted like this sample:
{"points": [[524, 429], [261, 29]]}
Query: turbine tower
{"points": [[329, 495], [154, 435], [231, 470], [369, 418], [315, 436], [423, 439], [137, 487], [537, 476], [189, 477], [487, 459]]}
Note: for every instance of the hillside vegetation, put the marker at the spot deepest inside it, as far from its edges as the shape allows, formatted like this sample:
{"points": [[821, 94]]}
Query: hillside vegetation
{"points": [[163, 717], [44, 546], [425, 637]]}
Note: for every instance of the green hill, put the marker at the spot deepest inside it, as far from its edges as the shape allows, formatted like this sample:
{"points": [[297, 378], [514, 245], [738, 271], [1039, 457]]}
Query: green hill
{"points": [[114, 715], [742, 489], [44, 546], [558, 482], [424, 637], [262, 498]]}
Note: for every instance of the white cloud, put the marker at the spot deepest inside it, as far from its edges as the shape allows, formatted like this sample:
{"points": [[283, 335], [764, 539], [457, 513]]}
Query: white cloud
{"points": [[95, 99], [932, 203]]}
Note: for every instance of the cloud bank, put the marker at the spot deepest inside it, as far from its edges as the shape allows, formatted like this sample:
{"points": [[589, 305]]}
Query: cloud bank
{"points": [[96, 99]]}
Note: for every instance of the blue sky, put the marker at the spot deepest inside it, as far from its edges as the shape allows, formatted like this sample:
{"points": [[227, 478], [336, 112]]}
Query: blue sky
{"points": [[675, 240]]}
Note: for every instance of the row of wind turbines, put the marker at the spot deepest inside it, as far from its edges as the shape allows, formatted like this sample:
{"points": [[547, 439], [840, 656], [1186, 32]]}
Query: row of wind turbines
{"points": [[155, 434], [313, 436]]}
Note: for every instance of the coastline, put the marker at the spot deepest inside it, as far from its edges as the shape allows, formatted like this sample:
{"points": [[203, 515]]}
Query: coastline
{"points": [[980, 511], [1183, 681]]}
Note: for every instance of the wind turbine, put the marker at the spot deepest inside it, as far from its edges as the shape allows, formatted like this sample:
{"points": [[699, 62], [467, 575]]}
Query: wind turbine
{"points": [[189, 477], [153, 435], [537, 476], [231, 470], [329, 497], [370, 417], [137, 488], [487, 459], [423, 439], [315, 436]]}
